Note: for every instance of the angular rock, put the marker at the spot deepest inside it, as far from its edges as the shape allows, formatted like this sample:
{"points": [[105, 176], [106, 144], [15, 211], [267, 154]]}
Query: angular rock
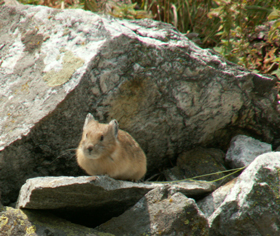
{"points": [[159, 213], [210, 203], [169, 94], [36, 223], [243, 150], [93, 200], [252, 206]]}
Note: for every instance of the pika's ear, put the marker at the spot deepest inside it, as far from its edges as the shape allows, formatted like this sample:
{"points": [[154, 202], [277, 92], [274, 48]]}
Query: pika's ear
{"points": [[88, 119], [115, 127]]}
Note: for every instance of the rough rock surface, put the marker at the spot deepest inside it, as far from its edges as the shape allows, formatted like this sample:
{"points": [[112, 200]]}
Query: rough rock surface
{"points": [[16, 222], [243, 150], [199, 162], [91, 201], [58, 65], [159, 213], [252, 205], [85, 200], [210, 203], [193, 189]]}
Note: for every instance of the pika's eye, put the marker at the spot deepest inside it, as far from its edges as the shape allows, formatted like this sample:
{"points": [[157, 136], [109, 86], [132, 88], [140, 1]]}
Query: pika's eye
{"points": [[101, 138], [86, 135]]}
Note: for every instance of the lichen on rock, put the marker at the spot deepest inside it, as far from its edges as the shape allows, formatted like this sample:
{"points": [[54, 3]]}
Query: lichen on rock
{"points": [[70, 64]]}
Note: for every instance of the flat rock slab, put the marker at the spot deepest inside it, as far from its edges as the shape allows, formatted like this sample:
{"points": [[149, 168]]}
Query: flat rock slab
{"points": [[89, 200], [93, 200], [80, 192], [193, 189]]}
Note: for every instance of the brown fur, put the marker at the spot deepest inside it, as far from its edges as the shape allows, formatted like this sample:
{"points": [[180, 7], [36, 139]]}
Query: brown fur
{"points": [[107, 150]]}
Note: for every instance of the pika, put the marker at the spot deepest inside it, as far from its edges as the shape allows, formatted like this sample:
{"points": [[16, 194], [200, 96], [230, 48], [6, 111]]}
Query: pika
{"points": [[107, 150]]}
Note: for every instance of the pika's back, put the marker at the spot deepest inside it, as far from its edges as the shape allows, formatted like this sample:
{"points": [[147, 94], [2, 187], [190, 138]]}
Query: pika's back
{"points": [[105, 149]]}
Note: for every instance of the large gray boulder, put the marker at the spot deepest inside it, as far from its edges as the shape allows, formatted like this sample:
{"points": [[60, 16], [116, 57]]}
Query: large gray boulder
{"points": [[56, 66]]}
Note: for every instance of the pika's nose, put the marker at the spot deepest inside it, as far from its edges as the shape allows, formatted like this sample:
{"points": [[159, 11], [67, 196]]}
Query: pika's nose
{"points": [[90, 148]]}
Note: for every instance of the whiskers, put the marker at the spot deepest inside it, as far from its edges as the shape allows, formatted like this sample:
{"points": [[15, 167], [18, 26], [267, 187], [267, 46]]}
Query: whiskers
{"points": [[67, 154]]}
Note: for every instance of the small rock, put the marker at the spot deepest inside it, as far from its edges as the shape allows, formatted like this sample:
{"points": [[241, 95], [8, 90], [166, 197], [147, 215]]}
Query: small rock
{"points": [[210, 203], [200, 161], [159, 213], [243, 150]]}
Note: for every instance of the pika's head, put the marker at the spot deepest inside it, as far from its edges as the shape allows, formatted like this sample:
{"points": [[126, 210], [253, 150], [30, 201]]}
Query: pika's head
{"points": [[98, 140]]}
